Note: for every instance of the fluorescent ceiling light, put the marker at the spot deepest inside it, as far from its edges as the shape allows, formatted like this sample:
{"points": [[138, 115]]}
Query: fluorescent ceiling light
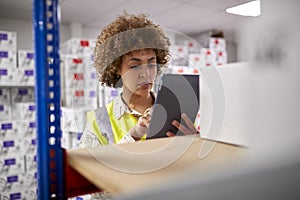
{"points": [[251, 9]]}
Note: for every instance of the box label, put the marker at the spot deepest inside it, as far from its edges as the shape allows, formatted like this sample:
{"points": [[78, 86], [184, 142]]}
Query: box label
{"points": [[3, 36], [9, 143], [6, 126], [3, 71], [11, 161], [3, 54]]}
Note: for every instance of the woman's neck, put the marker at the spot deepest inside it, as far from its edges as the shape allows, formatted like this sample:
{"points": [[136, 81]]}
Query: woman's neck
{"points": [[138, 102]]}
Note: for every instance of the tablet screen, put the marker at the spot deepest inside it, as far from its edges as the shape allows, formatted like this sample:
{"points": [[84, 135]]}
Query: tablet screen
{"points": [[178, 94]]}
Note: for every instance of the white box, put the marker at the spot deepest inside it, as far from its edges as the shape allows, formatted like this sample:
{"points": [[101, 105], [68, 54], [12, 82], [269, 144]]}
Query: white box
{"points": [[4, 96], [221, 58], [72, 64], [74, 98], [196, 60], [10, 147], [5, 111], [29, 146], [77, 46], [12, 164], [91, 99], [179, 55], [73, 119], [31, 165], [25, 76], [193, 46], [24, 110], [28, 129], [8, 59], [8, 129], [66, 139], [217, 44], [8, 40], [22, 94], [91, 80], [26, 59], [210, 57], [74, 81], [7, 76]]}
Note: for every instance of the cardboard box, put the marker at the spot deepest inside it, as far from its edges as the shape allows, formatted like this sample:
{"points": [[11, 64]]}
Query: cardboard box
{"points": [[8, 59], [25, 76], [26, 59], [7, 76], [4, 96], [22, 95], [8, 40]]}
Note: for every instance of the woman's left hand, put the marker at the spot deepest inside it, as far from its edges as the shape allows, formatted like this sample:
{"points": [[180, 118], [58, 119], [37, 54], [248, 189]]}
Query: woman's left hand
{"points": [[189, 129]]}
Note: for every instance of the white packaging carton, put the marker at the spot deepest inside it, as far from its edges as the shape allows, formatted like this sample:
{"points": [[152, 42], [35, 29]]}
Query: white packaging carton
{"points": [[74, 81], [26, 58], [7, 76], [8, 40], [196, 60], [28, 128], [12, 164], [72, 64], [31, 166], [8, 59], [192, 46], [221, 58], [22, 94], [4, 96], [10, 147], [73, 119], [217, 44], [210, 57], [5, 112], [74, 98], [8, 129], [29, 145], [77, 46], [25, 76], [24, 110], [179, 55], [91, 99]]}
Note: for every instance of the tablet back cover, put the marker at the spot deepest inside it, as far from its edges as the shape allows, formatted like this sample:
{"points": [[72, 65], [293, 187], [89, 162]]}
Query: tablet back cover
{"points": [[177, 94]]}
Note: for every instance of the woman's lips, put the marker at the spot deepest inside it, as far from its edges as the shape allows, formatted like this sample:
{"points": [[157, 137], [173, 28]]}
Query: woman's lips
{"points": [[145, 85]]}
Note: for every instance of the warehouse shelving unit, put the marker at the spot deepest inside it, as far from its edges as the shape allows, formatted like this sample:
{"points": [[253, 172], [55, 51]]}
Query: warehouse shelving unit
{"points": [[47, 89], [56, 179]]}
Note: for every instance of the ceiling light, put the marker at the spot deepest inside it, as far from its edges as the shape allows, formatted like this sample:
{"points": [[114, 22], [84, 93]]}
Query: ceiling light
{"points": [[251, 9]]}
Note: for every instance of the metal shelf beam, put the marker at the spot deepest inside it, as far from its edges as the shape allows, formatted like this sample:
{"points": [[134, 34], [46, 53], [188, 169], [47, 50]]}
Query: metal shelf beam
{"points": [[47, 97]]}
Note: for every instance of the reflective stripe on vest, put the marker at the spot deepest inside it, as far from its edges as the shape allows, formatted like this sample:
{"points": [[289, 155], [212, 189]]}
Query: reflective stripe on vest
{"points": [[103, 122]]}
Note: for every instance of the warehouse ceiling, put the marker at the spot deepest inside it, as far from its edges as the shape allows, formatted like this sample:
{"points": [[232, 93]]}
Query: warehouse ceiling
{"points": [[186, 16]]}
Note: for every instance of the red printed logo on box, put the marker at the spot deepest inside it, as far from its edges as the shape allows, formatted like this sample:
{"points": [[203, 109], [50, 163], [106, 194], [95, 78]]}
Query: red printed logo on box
{"points": [[84, 43], [79, 93]]}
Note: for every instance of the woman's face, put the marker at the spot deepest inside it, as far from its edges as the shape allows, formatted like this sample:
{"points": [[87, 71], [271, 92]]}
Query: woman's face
{"points": [[138, 71]]}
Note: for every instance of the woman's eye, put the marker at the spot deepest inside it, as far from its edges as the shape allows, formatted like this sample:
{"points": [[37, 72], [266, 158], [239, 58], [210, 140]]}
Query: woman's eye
{"points": [[152, 65], [136, 66]]}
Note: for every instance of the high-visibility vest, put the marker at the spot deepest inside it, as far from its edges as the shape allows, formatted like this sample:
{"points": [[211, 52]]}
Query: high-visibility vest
{"points": [[106, 127]]}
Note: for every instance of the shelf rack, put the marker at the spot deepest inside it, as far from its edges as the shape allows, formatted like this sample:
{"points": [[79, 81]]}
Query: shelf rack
{"points": [[50, 155], [56, 179]]}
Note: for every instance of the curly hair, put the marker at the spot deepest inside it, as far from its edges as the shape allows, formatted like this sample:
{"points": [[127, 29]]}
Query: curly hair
{"points": [[124, 35]]}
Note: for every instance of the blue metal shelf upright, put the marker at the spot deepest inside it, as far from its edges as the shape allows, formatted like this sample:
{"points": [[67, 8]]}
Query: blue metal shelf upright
{"points": [[50, 155]]}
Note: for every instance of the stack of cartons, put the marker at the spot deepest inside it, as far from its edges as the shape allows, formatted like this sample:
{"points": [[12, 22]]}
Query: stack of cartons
{"points": [[17, 121]]}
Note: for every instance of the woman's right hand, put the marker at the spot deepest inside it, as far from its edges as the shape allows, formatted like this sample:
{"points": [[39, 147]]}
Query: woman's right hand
{"points": [[141, 128]]}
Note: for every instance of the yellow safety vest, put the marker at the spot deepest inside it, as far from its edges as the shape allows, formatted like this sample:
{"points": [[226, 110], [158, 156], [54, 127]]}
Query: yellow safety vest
{"points": [[106, 127]]}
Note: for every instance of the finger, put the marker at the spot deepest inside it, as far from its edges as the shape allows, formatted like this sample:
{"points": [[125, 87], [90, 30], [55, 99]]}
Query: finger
{"points": [[181, 127], [170, 134], [189, 123], [144, 121]]}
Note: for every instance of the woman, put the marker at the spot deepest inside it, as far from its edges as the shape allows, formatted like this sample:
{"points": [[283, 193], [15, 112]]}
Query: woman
{"points": [[129, 53]]}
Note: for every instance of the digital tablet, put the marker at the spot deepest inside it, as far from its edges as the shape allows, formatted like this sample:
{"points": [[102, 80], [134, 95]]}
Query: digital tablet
{"points": [[177, 94]]}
